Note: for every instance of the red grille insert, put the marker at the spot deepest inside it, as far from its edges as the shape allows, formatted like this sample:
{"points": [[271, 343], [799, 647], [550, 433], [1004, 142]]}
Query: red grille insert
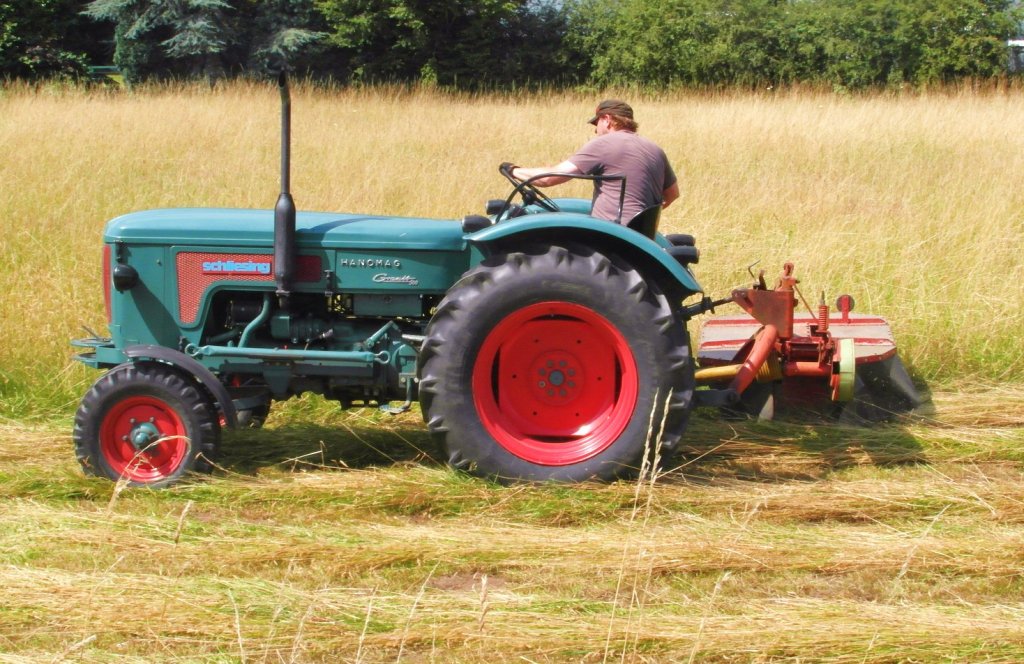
{"points": [[199, 271]]}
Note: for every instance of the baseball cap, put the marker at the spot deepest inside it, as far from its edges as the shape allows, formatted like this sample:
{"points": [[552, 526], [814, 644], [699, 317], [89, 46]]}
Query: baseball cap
{"points": [[612, 107]]}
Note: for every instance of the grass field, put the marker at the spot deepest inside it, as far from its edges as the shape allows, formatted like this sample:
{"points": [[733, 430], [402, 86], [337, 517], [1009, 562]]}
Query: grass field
{"points": [[344, 541], [338, 536]]}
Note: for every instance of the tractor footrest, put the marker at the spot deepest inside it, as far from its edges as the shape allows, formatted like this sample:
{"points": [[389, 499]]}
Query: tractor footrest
{"points": [[472, 223]]}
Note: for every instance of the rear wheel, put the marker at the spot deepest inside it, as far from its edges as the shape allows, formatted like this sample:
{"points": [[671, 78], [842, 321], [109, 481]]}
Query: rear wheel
{"points": [[556, 364], [147, 424]]}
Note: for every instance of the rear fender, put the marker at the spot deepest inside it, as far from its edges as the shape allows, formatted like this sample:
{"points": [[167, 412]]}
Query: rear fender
{"points": [[649, 256]]}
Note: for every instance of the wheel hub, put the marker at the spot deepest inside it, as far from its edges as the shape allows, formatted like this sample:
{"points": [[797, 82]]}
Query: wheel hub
{"points": [[559, 378], [143, 434]]}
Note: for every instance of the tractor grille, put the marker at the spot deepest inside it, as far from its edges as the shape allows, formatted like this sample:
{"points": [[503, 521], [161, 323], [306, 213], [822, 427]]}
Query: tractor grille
{"points": [[199, 271]]}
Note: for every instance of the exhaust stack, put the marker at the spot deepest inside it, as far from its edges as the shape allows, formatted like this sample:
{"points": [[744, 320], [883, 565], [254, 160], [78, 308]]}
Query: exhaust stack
{"points": [[284, 211]]}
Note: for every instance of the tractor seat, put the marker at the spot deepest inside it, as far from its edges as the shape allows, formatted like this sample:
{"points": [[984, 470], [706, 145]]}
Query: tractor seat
{"points": [[646, 222]]}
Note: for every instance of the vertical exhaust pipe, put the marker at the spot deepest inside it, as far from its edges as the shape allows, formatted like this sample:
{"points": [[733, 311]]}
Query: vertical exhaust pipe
{"points": [[284, 211]]}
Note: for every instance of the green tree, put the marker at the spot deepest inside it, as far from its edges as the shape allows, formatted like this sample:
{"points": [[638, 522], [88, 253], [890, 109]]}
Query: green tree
{"points": [[845, 43], [464, 43], [44, 38], [209, 38], [534, 48], [680, 42], [966, 38], [161, 38], [279, 33]]}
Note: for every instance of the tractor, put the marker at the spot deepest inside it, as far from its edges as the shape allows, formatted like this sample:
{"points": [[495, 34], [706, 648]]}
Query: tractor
{"points": [[540, 343]]}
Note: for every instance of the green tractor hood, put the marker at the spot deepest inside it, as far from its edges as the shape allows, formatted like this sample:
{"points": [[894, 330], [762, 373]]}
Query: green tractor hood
{"points": [[240, 228]]}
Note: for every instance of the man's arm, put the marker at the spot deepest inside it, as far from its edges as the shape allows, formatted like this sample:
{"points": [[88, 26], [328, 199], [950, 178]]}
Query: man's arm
{"points": [[566, 167], [670, 194]]}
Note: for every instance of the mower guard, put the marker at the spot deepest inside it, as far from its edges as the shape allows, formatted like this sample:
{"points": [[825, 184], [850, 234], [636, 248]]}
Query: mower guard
{"points": [[806, 359]]}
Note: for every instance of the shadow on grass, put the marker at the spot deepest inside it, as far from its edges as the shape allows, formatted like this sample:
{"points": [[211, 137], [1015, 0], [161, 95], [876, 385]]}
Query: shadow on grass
{"points": [[712, 449], [808, 448], [296, 446]]}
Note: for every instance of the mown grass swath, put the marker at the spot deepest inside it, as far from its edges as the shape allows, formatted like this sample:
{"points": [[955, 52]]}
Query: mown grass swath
{"points": [[344, 542]]}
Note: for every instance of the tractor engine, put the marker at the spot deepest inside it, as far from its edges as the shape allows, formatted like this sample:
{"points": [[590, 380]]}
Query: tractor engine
{"points": [[381, 349]]}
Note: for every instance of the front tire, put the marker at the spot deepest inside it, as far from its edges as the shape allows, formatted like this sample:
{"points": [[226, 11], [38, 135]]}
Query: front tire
{"points": [[146, 424], [554, 364]]}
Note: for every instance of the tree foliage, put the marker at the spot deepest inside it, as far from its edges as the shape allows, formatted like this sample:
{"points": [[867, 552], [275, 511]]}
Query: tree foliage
{"points": [[163, 38], [847, 44], [44, 38], [463, 43], [844, 43], [207, 38]]}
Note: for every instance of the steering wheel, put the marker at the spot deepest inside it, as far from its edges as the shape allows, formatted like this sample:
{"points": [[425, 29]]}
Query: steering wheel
{"points": [[532, 195]]}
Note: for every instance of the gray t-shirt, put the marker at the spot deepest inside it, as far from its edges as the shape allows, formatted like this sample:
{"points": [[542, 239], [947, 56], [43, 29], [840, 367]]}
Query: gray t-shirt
{"points": [[644, 164]]}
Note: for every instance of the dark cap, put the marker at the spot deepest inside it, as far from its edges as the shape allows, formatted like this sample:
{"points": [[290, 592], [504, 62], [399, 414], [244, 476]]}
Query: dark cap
{"points": [[612, 107]]}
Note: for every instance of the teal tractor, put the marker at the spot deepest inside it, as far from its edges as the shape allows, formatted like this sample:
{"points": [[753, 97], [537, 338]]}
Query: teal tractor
{"points": [[541, 343]]}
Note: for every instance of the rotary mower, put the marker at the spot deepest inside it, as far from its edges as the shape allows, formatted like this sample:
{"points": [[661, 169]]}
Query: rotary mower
{"points": [[540, 343]]}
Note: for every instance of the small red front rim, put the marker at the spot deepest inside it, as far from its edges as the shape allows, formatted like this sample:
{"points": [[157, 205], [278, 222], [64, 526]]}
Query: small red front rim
{"points": [[143, 439], [555, 383]]}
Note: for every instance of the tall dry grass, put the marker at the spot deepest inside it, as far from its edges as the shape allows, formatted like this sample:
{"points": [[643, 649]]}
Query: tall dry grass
{"points": [[913, 204]]}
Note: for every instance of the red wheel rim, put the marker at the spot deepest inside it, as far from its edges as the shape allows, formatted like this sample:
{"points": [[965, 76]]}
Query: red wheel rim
{"points": [[555, 383], [143, 439]]}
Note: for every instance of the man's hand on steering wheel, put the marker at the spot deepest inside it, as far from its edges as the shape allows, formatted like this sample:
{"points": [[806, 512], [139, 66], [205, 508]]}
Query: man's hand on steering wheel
{"points": [[531, 193]]}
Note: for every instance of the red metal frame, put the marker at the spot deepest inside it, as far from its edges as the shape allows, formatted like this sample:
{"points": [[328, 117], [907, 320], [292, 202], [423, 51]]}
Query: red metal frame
{"points": [[772, 339]]}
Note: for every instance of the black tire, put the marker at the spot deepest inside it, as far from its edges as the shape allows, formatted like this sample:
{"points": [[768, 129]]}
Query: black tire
{"points": [[554, 364], [147, 424]]}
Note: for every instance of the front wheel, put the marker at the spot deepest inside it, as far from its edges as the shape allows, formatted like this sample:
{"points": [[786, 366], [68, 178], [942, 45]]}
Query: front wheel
{"points": [[147, 424], [555, 364]]}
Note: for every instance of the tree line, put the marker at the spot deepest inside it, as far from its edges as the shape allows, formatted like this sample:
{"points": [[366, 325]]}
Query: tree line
{"points": [[502, 44]]}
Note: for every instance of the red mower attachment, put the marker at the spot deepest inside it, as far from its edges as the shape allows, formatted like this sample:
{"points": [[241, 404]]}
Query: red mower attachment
{"points": [[823, 361]]}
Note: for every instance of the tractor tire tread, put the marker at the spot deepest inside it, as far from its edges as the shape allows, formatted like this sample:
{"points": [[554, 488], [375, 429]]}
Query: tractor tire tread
{"points": [[155, 377], [460, 306]]}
